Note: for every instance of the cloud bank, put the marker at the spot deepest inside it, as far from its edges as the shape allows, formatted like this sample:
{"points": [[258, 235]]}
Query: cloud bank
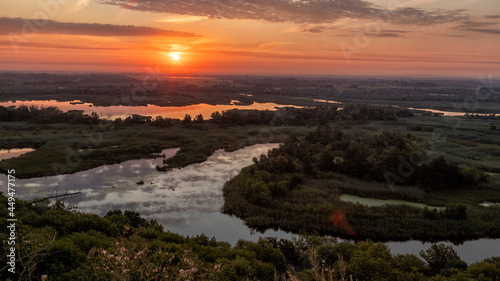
{"points": [[294, 11], [22, 25], [479, 26]]}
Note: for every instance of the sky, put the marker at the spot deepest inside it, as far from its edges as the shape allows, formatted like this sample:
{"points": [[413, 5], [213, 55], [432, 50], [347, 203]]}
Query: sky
{"points": [[264, 37]]}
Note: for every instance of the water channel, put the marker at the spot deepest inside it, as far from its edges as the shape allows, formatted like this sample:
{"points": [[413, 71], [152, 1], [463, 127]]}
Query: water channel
{"points": [[120, 111], [187, 200]]}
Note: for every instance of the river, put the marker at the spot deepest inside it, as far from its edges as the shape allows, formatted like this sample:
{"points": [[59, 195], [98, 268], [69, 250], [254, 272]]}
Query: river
{"points": [[187, 200]]}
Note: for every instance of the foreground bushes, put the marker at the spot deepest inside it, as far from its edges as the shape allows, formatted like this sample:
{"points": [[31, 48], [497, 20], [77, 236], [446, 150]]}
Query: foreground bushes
{"points": [[124, 246]]}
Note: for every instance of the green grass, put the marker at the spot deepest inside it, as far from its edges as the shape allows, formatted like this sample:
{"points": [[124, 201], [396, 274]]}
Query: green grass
{"points": [[62, 148]]}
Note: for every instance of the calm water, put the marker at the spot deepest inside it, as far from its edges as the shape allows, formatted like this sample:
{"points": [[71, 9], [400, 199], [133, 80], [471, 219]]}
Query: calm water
{"points": [[375, 202], [187, 200], [120, 111], [11, 153], [179, 112]]}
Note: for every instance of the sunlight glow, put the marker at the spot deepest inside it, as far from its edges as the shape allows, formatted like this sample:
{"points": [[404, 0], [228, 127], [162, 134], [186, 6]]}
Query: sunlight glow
{"points": [[175, 56]]}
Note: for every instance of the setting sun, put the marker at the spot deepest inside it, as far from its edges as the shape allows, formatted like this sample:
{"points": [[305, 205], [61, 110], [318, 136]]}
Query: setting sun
{"points": [[175, 56]]}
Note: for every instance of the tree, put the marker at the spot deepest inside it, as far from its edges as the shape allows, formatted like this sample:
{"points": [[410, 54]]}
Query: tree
{"points": [[186, 120], [493, 126], [441, 258], [326, 160], [439, 174], [456, 212], [199, 119], [217, 118], [488, 269]]}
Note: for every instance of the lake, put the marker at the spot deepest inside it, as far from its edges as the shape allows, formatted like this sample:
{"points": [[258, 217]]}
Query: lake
{"points": [[178, 112], [121, 111], [187, 200]]}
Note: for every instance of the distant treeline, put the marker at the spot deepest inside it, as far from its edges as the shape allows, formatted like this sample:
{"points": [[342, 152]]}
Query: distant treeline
{"points": [[482, 116], [46, 115], [286, 116]]}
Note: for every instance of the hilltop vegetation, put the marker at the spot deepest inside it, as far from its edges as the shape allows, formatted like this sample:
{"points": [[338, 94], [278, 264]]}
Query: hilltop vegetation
{"points": [[63, 244]]}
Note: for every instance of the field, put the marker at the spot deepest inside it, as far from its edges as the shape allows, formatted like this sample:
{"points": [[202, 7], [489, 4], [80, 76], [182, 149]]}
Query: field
{"points": [[68, 148]]}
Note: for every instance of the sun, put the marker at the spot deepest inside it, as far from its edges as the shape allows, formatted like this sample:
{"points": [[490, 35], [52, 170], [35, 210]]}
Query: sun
{"points": [[175, 56]]}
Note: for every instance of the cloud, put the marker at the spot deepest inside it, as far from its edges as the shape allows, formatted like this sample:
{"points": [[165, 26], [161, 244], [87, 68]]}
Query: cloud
{"points": [[73, 6], [187, 19], [22, 25], [316, 29], [485, 30], [479, 26], [389, 33], [333, 57], [294, 11], [62, 46], [386, 34]]}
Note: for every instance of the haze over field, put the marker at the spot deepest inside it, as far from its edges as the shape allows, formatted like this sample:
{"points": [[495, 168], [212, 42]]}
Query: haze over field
{"points": [[350, 37]]}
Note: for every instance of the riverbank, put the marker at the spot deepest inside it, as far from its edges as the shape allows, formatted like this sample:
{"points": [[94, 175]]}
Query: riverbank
{"points": [[73, 245], [63, 147]]}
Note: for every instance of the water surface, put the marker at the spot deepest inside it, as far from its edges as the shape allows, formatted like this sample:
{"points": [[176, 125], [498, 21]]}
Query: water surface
{"points": [[121, 111], [188, 200], [14, 152], [375, 202]]}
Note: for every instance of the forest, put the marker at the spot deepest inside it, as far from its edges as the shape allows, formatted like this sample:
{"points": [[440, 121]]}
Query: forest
{"points": [[298, 186], [58, 243]]}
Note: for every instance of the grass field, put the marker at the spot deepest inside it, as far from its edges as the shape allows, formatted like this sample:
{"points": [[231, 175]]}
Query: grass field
{"points": [[64, 148]]}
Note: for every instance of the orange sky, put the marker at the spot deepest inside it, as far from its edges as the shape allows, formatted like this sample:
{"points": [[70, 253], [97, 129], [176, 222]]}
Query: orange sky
{"points": [[337, 37]]}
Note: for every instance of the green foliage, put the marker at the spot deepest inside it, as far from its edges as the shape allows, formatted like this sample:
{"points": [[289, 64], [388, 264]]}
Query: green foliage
{"points": [[456, 212], [143, 251], [409, 263], [441, 259], [296, 187], [492, 126], [487, 270]]}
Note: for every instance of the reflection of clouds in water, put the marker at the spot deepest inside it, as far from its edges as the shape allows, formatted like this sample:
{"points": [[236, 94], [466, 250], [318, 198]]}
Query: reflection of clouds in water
{"points": [[94, 182], [178, 194], [186, 201], [33, 184]]}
